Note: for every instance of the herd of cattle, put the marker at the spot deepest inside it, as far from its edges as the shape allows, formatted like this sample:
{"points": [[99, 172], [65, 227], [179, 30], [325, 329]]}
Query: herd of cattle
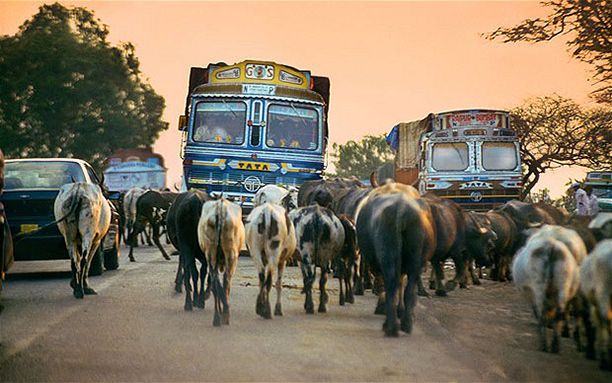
{"points": [[380, 237]]}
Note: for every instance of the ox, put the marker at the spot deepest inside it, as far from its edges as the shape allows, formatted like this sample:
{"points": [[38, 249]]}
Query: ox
{"points": [[130, 198], [347, 260], [83, 217], [150, 208], [596, 285], [270, 238], [546, 271], [221, 236], [320, 238], [396, 234], [505, 245], [182, 223]]}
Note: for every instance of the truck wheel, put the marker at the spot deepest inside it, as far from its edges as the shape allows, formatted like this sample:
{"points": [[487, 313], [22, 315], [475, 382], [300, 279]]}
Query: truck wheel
{"points": [[96, 267], [111, 256]]}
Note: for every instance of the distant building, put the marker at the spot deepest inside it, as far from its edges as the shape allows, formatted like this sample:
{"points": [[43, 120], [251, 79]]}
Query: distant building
{"points": [[140, 167]]}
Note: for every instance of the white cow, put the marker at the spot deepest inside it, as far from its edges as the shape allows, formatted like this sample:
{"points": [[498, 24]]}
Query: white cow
{"points": [[547, 273], [129, 207], [596, 285], [277, 195], [221, 236], [83, 217], [320, 237], [569, 237], [270, 238]]}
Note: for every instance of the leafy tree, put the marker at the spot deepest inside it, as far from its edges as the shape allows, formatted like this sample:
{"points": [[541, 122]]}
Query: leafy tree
{"points": [[556, 132], [66, 91], [360, 158], [588, 27]]}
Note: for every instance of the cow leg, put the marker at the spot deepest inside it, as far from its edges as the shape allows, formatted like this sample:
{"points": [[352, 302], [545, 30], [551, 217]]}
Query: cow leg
{"points": [[410, 298], [189, 268], [366, 275], [155, 232], [323, 296], [421, 291], [348, 278], [147, 232], [225, 296], [380, 304], [358, 277], [400, 297], [178, 280], [216, 284], [308, 277], [278, 310], [432, 277], [557, 329], [439, 278], [202, 295], [473, 275], [267, 310], [390, 326], [542, 331], [341, 276]]}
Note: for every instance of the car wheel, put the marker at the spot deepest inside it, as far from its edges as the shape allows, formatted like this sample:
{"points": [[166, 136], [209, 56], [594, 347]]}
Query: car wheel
{"points": [[111, 256], [97, 263]]}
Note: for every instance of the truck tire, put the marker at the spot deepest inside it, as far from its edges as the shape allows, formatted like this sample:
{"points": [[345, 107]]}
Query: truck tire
{"points": [[111, 256], [97, 263]]}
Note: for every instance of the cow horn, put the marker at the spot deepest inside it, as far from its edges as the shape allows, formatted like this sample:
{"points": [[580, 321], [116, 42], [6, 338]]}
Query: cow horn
{"points": [[373, 179], [534, 224], [483, 230]]}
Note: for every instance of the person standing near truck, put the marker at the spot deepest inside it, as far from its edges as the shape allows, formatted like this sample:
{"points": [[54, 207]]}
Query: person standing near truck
{"points": [[581, 199], [592, 201]]}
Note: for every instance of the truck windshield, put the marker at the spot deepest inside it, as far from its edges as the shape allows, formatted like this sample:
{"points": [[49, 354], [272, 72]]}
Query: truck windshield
{"points": [[220, 122], [41, 174], [292, 126], [499, 156], [450, 156], [602, 191]]}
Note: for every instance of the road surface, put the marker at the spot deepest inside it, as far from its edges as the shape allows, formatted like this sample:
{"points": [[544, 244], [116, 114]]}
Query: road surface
{"points": [[136, 330]]}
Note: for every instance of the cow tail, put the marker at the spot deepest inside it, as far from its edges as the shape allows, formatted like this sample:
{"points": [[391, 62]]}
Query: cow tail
{"points": [[220, 217], [75, 206], [317, 223]]}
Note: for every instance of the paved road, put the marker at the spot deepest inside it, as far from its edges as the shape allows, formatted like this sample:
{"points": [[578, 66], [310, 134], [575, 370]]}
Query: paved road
{"points": [[136, 330]]}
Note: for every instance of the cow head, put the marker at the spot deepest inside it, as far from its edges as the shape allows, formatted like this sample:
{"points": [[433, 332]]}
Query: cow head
{"points": [[289, 202], [480, 238]]}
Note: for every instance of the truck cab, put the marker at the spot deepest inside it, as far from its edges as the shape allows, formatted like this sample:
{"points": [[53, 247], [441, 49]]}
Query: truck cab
{"points": [[601, 183], [469, 156], [251, 124]]}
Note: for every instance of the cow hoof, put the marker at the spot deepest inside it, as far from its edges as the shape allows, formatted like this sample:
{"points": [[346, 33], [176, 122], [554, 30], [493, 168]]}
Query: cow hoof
{"points": [[166, 257], [278, 311], [226, 319], [178, 289], [450, 285], [359, 288], [132, 259], [380, 309], [309, 307], [322, 309], [406, 326], [188, 306], [78, 293], [199, 303], [267, 311], [391, 331], [350, 299], [441, 293], [342, 301], [89, 291], [217, 320]]}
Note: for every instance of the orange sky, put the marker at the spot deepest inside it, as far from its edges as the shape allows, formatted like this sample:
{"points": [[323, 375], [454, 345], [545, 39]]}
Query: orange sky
{"points": [[387, 62]]}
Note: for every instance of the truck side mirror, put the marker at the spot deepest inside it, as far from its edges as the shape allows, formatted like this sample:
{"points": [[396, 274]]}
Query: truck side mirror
{"points": [[182, 125]]}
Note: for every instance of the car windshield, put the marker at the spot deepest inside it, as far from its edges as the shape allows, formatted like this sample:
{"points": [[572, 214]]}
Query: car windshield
{"points": [[450, 156], [292, 126], [220, 122], [499, 156], [41, 174]]}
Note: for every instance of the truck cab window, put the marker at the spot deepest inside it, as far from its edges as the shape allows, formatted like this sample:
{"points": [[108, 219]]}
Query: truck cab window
{"points": [[291, 126], [499, 156], [220, 122], [450, 156]]}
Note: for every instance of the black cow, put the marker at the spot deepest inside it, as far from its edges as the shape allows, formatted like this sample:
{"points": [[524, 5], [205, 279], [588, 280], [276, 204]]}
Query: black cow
{"points": [[150, 208], [505, 244], [182, 224], [347, 261], [396, 235]]}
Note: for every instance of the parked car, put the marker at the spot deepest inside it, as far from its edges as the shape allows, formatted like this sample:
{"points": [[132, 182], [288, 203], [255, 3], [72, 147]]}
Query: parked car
{"points": [[30, 188]]}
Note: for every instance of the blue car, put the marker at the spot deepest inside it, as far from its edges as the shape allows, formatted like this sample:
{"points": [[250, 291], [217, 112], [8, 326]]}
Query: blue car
{"points": [[30, 189]]}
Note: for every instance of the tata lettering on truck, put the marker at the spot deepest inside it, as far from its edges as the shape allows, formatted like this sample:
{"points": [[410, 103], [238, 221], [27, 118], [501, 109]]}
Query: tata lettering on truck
{"points": [[251, 124], [469, 156]]}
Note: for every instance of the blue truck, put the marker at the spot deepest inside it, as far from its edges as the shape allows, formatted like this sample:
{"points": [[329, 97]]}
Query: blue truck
{"points": [[251, 124]]}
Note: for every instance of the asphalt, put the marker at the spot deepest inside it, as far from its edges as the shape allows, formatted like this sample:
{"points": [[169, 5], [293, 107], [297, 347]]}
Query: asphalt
{"points": [[136, 330]]}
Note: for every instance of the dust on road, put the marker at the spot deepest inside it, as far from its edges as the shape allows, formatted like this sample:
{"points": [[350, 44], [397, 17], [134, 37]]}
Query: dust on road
{"points": [[136, 330]]}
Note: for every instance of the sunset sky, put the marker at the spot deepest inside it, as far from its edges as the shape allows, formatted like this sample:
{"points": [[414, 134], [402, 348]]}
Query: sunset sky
{"points": [[387, 62]]}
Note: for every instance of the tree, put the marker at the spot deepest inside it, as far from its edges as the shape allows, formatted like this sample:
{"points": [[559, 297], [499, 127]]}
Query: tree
{"points": [[360, 158], [588, 27], [66, 91], [556, 132]]}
